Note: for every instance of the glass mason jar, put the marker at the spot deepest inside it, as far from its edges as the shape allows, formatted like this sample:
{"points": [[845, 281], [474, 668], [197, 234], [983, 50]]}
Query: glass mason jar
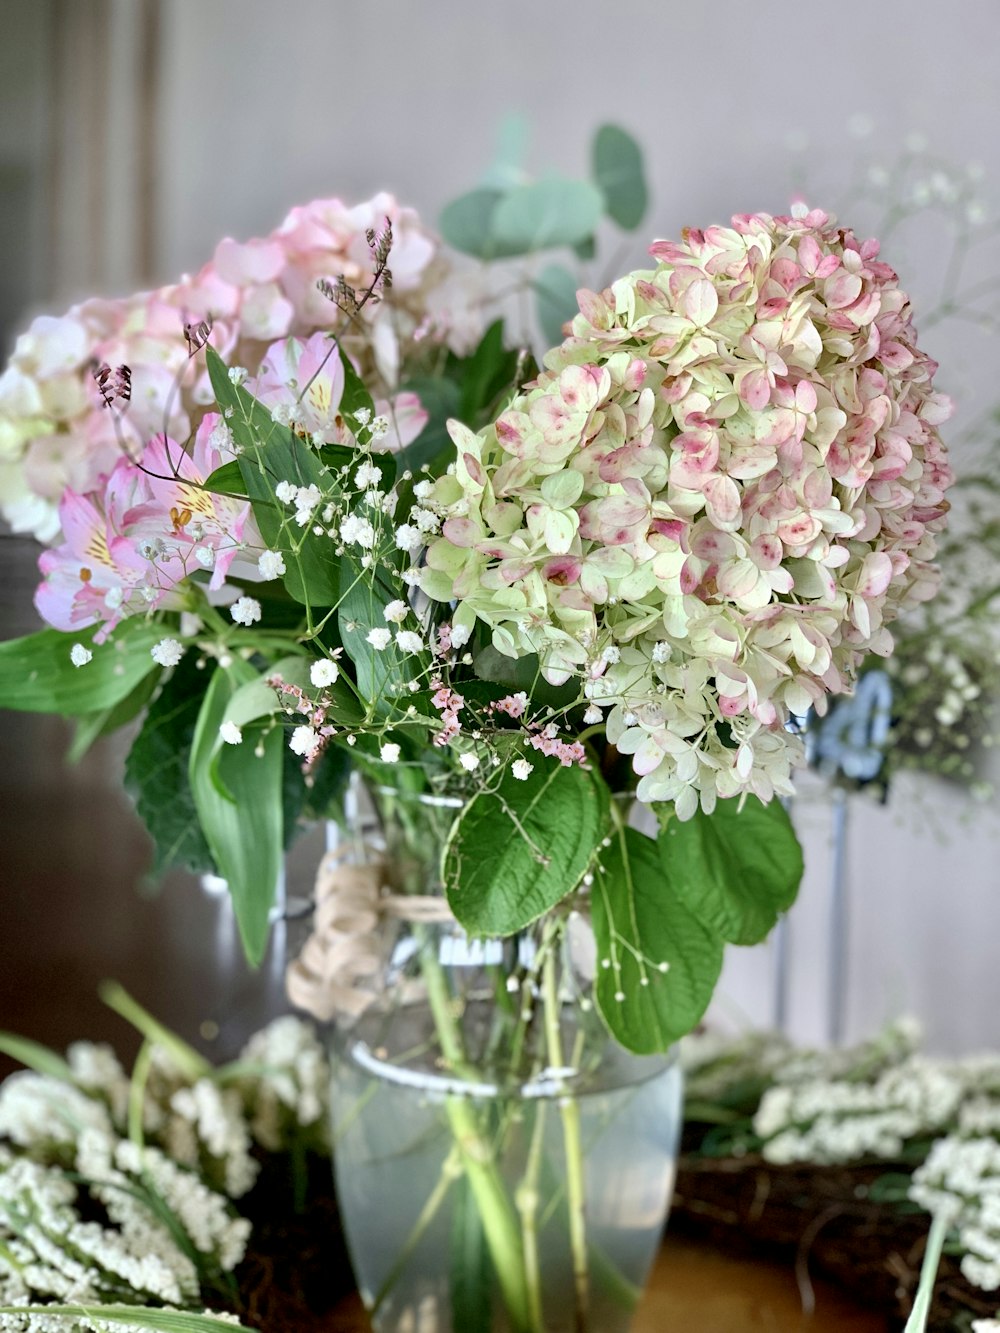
{"points": [[501, 1163]]}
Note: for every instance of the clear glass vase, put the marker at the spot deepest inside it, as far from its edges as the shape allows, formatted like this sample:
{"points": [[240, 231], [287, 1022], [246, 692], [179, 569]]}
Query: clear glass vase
{"points": [[501, 1163]]}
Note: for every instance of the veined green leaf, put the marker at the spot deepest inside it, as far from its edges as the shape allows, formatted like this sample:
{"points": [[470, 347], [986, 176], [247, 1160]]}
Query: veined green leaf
{"points": [[245, 833], [272, 454], [37, 676], [736, 869], [515, 852], [657, 963], [618, 171]]}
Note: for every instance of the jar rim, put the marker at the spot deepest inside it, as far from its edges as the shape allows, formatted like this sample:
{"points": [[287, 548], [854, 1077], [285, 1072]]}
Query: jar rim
{"points": [[548, 1085]]}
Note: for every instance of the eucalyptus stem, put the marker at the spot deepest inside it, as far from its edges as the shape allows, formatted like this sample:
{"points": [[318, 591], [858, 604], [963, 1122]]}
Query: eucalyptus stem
{"points": [[569, 1113]]}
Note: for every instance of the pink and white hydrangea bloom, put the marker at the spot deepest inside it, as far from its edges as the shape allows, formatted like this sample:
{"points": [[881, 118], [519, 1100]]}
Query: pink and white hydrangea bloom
{"points": [[131, 543], [55, 433], [709, 505]]}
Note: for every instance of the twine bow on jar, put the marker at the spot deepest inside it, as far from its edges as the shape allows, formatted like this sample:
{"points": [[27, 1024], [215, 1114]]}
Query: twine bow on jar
{"points": [[336, 975]]}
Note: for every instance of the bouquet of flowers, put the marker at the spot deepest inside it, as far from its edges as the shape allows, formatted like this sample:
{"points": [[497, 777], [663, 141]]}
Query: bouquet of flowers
{"points": [[621, 574]]}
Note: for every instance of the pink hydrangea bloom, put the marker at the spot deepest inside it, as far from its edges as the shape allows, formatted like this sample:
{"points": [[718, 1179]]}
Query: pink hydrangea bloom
{"points": [[55, 434], [721, 489]]}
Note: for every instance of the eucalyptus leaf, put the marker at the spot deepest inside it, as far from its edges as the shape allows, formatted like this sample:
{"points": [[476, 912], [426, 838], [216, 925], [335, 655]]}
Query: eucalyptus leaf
{"points": [[507, 168], [156, 772], [517, 850], [547, 213], [736, 869], [467, 224], [245, 833], [555, 300], [272, 454], [37, 675], [657, 963], [620, 175]]}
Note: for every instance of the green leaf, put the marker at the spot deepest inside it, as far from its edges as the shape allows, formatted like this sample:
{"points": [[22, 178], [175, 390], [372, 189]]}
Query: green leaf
{"points": [[156, 772], [586, 249], [516, 851], [93, 725], [36, 1057], [555, 301], [618, 171], [272, 454], [245, 833], [547, 213], [471, 1282], [382, 675], [139, 1316], [228, 479], [37, 676], [736, 870], [433, 447], [467, 224], [640, 926], [355, 396], [485, 374]]}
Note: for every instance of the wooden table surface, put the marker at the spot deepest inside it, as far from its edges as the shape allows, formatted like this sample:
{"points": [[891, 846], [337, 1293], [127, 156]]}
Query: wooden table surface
{"points": [[695, 1289]]}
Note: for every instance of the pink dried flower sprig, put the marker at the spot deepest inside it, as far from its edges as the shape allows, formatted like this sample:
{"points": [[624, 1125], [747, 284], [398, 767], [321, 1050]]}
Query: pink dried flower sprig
{"points": [[709, 505]]}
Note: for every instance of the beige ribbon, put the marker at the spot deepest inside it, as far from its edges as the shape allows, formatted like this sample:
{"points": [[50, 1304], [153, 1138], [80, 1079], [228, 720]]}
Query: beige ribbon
{"points": [[337, 973]]}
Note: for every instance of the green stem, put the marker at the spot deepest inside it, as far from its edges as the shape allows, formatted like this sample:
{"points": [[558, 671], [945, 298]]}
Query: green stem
{"points": [[500, 1224], [192, 1065], [449, 1173], [569, 1112], [917, 1321], [527, 1206]]}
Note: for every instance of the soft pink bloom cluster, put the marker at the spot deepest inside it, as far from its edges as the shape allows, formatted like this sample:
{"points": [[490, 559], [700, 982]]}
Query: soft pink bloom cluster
{"points": [[128, 544], [54, 433], [707, 507]]}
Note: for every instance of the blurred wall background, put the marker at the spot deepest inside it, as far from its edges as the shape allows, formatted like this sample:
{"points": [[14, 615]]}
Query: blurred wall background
{"points": [[136, 133]]}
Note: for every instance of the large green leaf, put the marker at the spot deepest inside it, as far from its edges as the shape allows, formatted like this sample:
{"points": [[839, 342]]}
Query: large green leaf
{"points": [[37, 676], [547, 213], [620, 176], [139, 1316], [238, 795], [485, 374], [272, 454], [736, 870], [516, 851], [156, 771], [555, 300], [657, 963]]}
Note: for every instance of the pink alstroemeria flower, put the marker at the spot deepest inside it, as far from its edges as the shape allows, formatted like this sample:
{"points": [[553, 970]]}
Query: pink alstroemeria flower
{"points": [[303, 379]]}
